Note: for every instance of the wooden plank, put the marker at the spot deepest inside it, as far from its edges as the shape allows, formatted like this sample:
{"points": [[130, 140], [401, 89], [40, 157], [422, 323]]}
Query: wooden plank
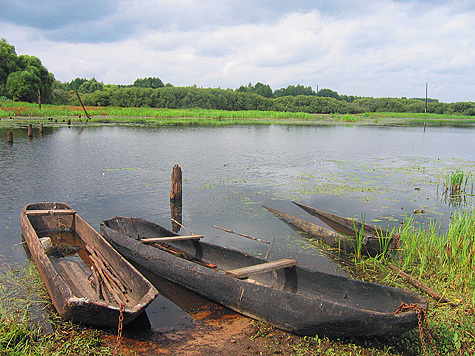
{"points": [[261, 268], [75, 277], [171, 238], [50, 212]]}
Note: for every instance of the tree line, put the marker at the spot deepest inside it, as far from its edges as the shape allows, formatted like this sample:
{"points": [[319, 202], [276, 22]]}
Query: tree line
{"points": [[24, 78]]}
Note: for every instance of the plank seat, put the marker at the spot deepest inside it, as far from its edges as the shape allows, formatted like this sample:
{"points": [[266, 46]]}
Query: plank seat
{"points": [[245, 272], [152, 240], [50, 212]]}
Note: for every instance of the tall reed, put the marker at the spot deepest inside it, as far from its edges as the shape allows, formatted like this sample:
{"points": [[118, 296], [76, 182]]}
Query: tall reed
{"points": [[458, 182], [446, 259]]}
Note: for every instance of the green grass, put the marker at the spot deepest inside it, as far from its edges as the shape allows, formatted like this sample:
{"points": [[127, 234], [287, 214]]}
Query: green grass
{"points": [[422, 116], [197, 116], [442, 260], [22, 296], [21, 109]]}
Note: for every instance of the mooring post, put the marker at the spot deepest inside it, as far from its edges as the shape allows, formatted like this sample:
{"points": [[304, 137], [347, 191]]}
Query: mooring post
{"points": [[10, 137], [176, 210], [30, 130], [176, 191], [41, 129]]}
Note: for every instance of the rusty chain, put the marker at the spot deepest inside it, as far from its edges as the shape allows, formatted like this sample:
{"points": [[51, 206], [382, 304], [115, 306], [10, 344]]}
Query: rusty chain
{"points": [[421, 322], [119, 329]]}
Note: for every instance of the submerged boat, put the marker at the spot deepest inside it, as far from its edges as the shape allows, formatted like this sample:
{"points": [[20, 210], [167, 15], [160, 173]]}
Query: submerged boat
{"points": [[88, 281], [343, 225], [280, 293], [370, 245]]}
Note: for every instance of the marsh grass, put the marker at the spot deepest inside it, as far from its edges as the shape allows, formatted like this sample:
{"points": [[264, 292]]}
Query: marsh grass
{"points": [[442, 260], [21, 293], [108, 113], [447, 259]]}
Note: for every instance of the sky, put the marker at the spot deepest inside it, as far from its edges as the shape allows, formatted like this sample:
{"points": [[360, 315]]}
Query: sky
{"points": [[384, 48]]}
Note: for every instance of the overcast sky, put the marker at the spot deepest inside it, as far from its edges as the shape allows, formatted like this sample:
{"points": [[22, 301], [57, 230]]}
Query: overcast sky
{"points": [[378, 48]]}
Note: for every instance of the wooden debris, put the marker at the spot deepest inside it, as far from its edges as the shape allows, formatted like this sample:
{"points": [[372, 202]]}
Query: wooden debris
{"points": [[421, 286], [152, 240], [243, 235]]}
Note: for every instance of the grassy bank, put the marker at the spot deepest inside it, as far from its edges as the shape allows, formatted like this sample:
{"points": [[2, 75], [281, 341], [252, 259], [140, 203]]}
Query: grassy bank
{"points": [[13, 113], [23, 300]]}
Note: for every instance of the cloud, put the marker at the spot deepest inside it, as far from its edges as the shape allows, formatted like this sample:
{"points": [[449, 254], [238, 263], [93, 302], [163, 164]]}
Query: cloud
{"points": [[388, 48], [54, 14]]}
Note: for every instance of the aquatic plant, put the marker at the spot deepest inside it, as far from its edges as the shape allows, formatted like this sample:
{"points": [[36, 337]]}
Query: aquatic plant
{"points": [[458, 181], [457, 185]]}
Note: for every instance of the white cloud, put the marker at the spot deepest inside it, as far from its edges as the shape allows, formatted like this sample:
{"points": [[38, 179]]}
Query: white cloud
{"points": [[391, 48]]}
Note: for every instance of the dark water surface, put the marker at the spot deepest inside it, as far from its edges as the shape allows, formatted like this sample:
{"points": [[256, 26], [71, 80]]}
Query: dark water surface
{"points": [[380, 174]]}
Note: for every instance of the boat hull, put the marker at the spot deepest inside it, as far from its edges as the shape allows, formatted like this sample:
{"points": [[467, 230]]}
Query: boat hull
{"points": [[75, 301], [293, 299]]}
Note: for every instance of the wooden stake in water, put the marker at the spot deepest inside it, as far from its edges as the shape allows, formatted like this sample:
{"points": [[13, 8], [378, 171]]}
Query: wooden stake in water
{"points": [[10, 137], [176, 189]]}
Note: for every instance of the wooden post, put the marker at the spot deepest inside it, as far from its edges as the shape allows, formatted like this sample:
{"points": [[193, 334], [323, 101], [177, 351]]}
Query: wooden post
{"points": [[30, 130], [176, 214], [176, 191], [41, 130], [10, 137]]}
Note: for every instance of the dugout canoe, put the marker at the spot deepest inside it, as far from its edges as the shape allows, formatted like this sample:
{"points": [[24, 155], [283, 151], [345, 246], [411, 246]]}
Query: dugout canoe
{"points": [[344, 225], [64, 247], [280, 293], [370, 245]]}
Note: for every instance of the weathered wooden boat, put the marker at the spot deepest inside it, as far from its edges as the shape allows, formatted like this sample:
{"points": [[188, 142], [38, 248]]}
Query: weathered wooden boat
{"points": [[343, 225], [280, 292], [88, 281], [370, 245]]}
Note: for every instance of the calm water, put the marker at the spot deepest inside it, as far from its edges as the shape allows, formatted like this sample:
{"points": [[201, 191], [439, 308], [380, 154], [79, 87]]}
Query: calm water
{"points": [[378, 174]]}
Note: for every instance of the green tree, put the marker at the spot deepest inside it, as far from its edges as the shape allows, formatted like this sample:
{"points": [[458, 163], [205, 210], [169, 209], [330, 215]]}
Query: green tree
{"points": [[328, 93], [23, 85], [149, 82], [76, 83], [8, 64], [293, 90], [260, 89], [23, 77], [90, 86], [33, 65]]}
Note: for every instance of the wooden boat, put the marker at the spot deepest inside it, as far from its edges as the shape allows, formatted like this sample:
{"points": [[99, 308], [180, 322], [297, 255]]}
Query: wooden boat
{"points": [[280, 292], [370, 245], [87, 280], [344, 225]]}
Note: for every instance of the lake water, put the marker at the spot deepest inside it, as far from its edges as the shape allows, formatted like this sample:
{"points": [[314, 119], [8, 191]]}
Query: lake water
{"points": [[376, 174]]}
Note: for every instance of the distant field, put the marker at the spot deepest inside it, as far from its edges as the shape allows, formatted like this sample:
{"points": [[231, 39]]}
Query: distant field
{"points": [[20, 111]]}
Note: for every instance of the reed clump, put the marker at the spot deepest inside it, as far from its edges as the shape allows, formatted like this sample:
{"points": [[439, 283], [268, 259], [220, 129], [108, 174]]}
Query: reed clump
{"points": [[458, 182]]}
